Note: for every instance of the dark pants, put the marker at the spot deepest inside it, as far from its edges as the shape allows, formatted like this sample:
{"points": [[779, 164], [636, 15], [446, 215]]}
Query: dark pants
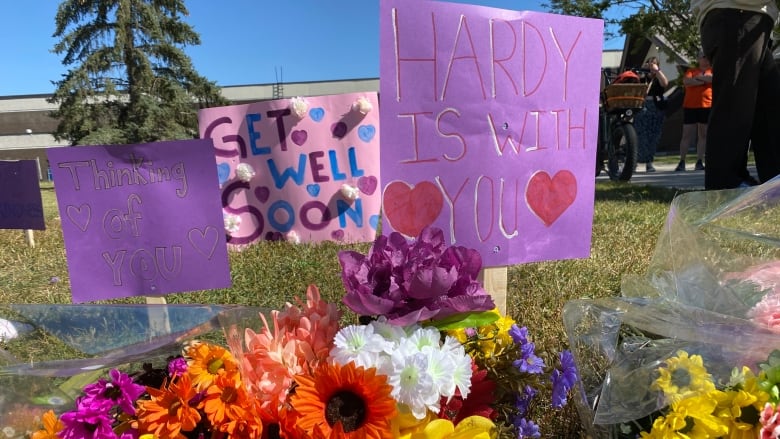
{"points": [[745, 97]]}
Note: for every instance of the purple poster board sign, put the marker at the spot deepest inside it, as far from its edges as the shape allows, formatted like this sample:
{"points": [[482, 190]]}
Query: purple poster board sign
{"points": [[490, 121], [21, 206], [140, 220]]}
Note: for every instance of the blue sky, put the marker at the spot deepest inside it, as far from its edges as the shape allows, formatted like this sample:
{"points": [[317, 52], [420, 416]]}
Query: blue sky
{"points": [[242, 41]]}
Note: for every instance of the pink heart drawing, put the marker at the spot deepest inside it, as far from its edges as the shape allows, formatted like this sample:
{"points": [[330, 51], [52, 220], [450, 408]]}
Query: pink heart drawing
{"points": [[262, 193], [367, 185], [337, 235], [204, 241], [409, 209], [299, 137], [549, 197], [79, 215]]}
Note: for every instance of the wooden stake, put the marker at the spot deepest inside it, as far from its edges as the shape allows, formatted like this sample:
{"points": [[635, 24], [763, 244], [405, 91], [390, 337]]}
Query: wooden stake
{"points": [[29, 237], [159, 321], [494, 281]]}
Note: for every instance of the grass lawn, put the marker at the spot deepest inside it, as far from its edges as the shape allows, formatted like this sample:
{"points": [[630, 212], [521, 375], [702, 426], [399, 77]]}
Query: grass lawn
{"points": [[628, 219]]}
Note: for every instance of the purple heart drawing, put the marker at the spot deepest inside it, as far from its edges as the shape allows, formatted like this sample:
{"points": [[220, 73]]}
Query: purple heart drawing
{"points": [[79, 215], [299, 137], [367, 185], [339, 130], [337, 235], [204, 241], [262, 193]]}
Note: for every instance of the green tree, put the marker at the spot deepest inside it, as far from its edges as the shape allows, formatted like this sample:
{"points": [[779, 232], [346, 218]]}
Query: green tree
{"points": [[129, 80], [670, 19]]}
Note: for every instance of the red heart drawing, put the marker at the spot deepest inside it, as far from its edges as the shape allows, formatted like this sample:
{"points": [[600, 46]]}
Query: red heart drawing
{"points": [[410, 209], [549, 197]]}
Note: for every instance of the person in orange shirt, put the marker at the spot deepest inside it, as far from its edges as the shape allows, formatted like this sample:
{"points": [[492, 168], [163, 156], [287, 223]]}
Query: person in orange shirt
{"points": [[696, 110]]}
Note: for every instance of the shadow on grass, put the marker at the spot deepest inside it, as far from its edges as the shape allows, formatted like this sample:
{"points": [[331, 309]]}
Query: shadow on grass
{"points": [[619, 191]]}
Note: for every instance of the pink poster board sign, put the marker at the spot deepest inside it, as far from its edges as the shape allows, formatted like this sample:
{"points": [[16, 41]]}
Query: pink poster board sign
{"points": [[303, 169], [490, 121], [140, 220], [21, 206]]}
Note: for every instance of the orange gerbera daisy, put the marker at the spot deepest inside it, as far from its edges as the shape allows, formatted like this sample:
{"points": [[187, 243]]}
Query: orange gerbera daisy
{"points": [[225, 401], [169, 413], [51, 426], [343, 402], [207, 361]]}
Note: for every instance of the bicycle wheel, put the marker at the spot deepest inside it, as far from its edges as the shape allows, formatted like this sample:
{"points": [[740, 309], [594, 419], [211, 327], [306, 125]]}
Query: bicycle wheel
{"points": [[622, 152]]}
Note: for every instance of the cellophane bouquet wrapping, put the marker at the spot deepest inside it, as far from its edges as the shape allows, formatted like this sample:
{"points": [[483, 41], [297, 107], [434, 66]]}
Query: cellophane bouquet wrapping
{"points": [[689, 350], [416, 350]]}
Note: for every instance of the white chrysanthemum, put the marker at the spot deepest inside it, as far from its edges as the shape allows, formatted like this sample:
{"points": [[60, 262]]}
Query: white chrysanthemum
{"points": [[412, 384], [350, 193], [440, 366], [232, 222], [362, 105], [299, 107], [392, 333], [360, 344], [461, 372], [245, 172], [425, 337]]}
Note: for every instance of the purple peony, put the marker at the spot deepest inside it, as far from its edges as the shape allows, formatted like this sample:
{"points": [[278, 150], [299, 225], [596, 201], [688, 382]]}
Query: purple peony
{"points": [[412, 282]]}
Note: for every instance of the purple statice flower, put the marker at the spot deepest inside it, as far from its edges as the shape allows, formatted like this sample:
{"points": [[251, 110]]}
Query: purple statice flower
{"points": [[563, 379], [104, 394], [177, 366], [409, 282], [526, 428], [528, 361], [523, 400], [87, 423]]}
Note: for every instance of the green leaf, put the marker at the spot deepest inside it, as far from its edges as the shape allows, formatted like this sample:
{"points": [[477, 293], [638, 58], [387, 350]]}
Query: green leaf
{"points": [[465, 320]]}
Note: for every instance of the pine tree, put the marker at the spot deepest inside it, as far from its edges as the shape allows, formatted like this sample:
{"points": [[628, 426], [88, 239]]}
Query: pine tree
{"points": [[129, 80]]}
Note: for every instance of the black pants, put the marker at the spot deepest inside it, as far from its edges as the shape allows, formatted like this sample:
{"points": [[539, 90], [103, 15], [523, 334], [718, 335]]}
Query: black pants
{"points": [[745, 97]]}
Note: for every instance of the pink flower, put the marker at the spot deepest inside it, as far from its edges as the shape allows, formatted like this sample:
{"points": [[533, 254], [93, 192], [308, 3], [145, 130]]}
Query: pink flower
{"points": [[301, 338], [770, 421], [767, 312]]}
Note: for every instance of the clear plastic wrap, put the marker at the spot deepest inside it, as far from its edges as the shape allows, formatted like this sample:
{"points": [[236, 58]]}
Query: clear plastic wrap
{"points": [[710, 290], [68, 346]]}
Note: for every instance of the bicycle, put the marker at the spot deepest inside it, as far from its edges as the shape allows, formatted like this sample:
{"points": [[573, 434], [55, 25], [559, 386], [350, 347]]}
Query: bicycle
{"points": [[622, 97]]}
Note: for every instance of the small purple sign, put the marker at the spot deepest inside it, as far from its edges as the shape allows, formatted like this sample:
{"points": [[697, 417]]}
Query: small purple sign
{"points": [[20, 196], [141, 220]]}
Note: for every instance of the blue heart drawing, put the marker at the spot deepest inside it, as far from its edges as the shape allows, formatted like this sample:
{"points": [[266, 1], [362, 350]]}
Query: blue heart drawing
{"points": [[373, 220], [313, 189], [366, 132], [317, 114], [223, 172]]}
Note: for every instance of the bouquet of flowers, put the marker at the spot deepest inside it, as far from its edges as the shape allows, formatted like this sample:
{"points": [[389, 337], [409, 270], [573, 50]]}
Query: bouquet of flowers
{"points": [[430, 358], [690, 349]]}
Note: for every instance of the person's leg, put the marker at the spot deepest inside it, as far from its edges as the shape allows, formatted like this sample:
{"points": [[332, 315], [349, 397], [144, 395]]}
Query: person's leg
{"points": [[765, 136], [733, 47], [701, 140], [688, 134]]}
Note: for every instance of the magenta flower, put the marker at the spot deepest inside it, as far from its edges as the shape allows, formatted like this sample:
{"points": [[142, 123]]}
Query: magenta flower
{"points": [[86, 422], [412, 282], [104, 394]]}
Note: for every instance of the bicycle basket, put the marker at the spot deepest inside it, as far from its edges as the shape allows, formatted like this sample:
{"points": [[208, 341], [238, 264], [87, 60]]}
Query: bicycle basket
{"points": [[625, 96]]}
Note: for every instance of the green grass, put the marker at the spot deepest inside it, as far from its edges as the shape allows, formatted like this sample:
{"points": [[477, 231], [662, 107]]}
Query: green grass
{"points": [[627, 222]]}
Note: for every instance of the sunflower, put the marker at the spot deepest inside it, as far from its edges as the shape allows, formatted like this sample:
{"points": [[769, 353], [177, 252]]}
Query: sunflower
{"points": [[168, 412], [51, 426], [741, 406], [343, 401], [208, 361], [683, 376]]}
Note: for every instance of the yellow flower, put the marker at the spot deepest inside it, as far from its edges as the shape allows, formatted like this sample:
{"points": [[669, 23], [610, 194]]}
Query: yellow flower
{"points": [[692, 417], [473, 427], [207, 361], [683, 377], [740, 407]]}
